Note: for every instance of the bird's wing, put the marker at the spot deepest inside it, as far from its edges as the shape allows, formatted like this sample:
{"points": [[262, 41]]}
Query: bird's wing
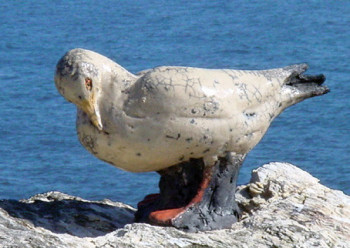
{"points": [[198, 93], [179, 91]]}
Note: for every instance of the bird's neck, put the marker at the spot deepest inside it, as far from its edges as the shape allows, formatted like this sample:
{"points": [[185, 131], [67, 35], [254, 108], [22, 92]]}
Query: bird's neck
{"points": [[122, 78], [112, 94]]}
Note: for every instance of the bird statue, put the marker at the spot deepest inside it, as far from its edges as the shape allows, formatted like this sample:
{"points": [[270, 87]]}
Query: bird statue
{"points": [[193, 126]]}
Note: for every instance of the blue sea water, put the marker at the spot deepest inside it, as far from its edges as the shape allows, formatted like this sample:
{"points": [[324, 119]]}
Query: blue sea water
{"points": [[39, 150]]}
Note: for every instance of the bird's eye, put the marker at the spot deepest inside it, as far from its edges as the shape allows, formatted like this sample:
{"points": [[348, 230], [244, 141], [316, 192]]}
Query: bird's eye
{"points": [[88, 83]]}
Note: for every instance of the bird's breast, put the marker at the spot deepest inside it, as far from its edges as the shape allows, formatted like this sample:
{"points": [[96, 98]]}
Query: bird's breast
{"points": [[152, 144]]}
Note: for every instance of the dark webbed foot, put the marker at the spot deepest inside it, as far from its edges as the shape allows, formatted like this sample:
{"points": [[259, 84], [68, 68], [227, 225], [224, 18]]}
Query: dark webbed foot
{"points": [[195, 197]]}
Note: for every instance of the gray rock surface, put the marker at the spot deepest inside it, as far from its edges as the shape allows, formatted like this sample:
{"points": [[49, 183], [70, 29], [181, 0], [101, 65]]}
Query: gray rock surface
{"points": [[283, 207]]}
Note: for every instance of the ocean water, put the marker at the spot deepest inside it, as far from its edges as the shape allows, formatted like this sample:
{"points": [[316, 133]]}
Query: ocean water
{"points": [[39, 150]]}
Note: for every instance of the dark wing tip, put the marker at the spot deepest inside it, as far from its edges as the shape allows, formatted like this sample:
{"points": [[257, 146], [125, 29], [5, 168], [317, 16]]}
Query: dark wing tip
{"points": [[307, 79]]}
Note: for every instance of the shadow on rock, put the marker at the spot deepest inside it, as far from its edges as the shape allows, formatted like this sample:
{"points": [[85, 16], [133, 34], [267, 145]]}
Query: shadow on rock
{"points": [[61, 213]]}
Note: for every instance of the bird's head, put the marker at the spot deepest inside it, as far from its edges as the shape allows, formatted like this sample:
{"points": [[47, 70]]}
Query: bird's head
{"points": [[78, 81]]}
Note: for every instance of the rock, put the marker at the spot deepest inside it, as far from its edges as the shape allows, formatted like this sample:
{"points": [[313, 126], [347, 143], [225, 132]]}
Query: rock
{"points": [[283, 206]]}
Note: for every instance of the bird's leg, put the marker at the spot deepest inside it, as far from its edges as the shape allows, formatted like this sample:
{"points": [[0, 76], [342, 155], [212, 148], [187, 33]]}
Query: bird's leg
{"points": [[178, 185], [217, 209], [147, 200], [166, 216], [196, 197]]}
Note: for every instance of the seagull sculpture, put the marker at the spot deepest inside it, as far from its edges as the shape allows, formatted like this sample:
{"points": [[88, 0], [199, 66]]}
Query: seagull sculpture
{"points": [[193, 126]]}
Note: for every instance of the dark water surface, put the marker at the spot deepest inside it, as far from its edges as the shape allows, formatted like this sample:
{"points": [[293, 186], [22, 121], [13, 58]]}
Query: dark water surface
{"points": [[39, 150]]}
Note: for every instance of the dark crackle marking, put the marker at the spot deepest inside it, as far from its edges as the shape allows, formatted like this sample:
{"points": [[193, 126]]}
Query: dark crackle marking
{"points": [[249, 115], [89, 142], [257, 94], [172, 137], [206, 150]]}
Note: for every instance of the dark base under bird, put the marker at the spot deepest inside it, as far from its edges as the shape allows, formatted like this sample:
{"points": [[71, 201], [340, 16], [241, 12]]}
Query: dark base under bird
{"points": [[194, 197]]}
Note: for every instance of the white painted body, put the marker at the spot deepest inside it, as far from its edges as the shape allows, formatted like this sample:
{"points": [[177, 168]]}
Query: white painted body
{"points": [[168, 115]]}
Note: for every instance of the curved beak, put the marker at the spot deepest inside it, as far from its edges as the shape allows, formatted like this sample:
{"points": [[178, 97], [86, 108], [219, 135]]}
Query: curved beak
{"points": [[88, 107]]}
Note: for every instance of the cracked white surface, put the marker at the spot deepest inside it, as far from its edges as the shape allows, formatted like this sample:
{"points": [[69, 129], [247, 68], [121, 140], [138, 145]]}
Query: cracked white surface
{"points": [[167, 115]]}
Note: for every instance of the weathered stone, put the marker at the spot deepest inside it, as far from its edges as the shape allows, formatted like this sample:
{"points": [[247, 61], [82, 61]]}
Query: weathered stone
{"points": [[283, 207]]}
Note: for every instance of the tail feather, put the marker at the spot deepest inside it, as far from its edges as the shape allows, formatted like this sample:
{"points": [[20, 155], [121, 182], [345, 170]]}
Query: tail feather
{"points": [[304, 86], [304, 79]]}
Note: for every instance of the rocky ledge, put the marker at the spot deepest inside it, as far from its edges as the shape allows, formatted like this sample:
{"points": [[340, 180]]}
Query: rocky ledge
{"points": [[283, 206]]}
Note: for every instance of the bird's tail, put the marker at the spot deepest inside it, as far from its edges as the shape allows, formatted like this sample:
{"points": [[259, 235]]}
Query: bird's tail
{"points": [[307, 85], [299, 86]]}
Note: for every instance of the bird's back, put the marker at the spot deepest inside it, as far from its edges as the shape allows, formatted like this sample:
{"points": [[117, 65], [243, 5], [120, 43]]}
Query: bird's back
{"points": [[201, 93]]}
